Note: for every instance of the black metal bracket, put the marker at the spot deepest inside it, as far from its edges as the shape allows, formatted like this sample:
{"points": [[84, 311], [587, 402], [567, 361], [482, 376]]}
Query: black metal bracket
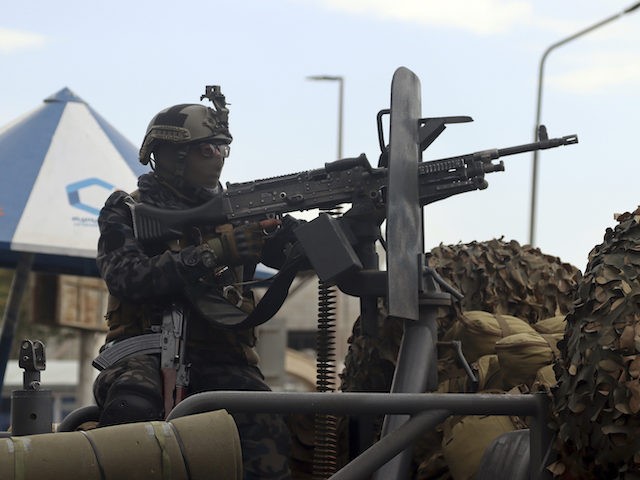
{"points": [[33, 361], [428, 131]]}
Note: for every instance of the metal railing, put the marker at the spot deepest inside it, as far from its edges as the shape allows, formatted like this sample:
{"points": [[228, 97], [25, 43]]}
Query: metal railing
{"points": [[424, 411]]}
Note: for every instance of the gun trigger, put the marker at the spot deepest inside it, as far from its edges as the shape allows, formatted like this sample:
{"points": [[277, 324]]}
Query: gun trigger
{"points": [[270, 226]]}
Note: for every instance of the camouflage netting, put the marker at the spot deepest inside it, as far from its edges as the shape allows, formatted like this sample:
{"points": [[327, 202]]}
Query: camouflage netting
{"points": [[494, 276], [505, 277], [597, 403]]}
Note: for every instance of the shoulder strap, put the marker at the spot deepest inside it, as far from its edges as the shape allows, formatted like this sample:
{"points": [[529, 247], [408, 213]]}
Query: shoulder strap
{"points": [[274, 297]]}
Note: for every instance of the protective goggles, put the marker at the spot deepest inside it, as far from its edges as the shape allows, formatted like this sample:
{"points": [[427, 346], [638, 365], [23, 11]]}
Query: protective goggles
{"points": [[210, 150]]}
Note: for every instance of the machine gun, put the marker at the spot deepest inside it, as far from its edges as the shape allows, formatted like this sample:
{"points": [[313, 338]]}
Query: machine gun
{"points": [[348, 180], [342, 250]]}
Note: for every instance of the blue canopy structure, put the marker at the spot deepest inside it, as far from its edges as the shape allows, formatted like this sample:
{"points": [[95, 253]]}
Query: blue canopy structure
{"points": [[58, 164]]}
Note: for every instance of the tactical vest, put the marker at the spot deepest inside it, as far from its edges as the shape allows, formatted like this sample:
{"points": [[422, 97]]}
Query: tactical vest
{"points": [[126, 319]]}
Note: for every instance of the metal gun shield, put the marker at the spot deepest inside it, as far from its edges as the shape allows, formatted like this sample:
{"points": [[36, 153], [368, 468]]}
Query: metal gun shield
{"points": [[404, 214]]}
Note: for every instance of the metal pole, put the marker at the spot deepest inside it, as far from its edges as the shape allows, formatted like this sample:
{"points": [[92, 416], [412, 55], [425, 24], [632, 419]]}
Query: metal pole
{"points": [[534, 174], [390, 446], [340, 80], [362, 403], [340, 114], [12, 309], [90, 343]]}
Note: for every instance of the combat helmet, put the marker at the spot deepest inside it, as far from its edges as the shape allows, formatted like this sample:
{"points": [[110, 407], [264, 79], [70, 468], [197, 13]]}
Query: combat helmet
{"points": [[188, 123]]}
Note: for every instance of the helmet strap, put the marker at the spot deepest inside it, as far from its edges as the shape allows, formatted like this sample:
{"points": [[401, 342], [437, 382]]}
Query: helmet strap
{"points": [[181, 165]]}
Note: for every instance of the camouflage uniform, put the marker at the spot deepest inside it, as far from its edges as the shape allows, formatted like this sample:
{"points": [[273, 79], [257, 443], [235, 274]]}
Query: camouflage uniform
{"points": [[143, 281]]}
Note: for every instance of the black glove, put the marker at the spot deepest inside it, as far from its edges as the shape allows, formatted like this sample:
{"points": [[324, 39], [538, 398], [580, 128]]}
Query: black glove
{"points": [[237, 246], [276, 247]]}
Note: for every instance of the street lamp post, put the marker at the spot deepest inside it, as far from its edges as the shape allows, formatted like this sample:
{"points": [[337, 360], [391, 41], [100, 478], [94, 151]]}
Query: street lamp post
{"points": [[534, 175], [345, 306], [340, 80]]}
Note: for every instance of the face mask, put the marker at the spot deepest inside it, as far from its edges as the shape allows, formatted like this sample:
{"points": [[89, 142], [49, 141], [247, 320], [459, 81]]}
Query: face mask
{"points": [[203, 164]]}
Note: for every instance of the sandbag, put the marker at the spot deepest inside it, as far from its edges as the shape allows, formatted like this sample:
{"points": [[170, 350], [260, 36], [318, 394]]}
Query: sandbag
{"points": [[466, 438], [545, 379], [479, 331], [489, 373], [486, 369], [551, 325], [523, 354]]}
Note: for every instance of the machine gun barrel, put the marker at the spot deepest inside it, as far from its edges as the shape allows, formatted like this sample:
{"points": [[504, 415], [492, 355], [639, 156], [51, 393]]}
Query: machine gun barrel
{"points": [[440, 179], [540, 145], [494, 153]]}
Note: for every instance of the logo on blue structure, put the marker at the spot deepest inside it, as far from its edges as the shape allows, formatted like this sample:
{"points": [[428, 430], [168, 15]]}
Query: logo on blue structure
{"points": [[74, 194]]}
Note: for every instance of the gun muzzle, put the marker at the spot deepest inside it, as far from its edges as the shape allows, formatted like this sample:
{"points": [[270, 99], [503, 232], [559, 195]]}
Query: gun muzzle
{"points": [[557, 142]]}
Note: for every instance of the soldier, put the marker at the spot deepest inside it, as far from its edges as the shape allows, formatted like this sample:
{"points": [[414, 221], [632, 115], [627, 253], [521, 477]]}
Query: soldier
{"points": [[186, 146]]}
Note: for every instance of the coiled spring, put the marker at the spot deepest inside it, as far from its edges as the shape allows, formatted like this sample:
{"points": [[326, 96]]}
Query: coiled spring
{"points": [[325, 437], [325, 341]]}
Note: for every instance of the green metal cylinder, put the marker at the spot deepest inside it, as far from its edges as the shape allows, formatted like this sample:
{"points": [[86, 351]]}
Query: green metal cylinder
{"points": [[31, 412], [194, 447]]}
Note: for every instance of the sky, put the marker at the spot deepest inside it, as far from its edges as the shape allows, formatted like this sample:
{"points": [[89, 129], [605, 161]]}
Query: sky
{"points": [[479, 58]]}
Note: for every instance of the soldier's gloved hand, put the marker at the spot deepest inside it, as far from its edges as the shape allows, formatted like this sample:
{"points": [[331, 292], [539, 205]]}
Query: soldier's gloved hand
{"points": [[289, 224], [275, 249], [245, 243], [242, 244]]}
